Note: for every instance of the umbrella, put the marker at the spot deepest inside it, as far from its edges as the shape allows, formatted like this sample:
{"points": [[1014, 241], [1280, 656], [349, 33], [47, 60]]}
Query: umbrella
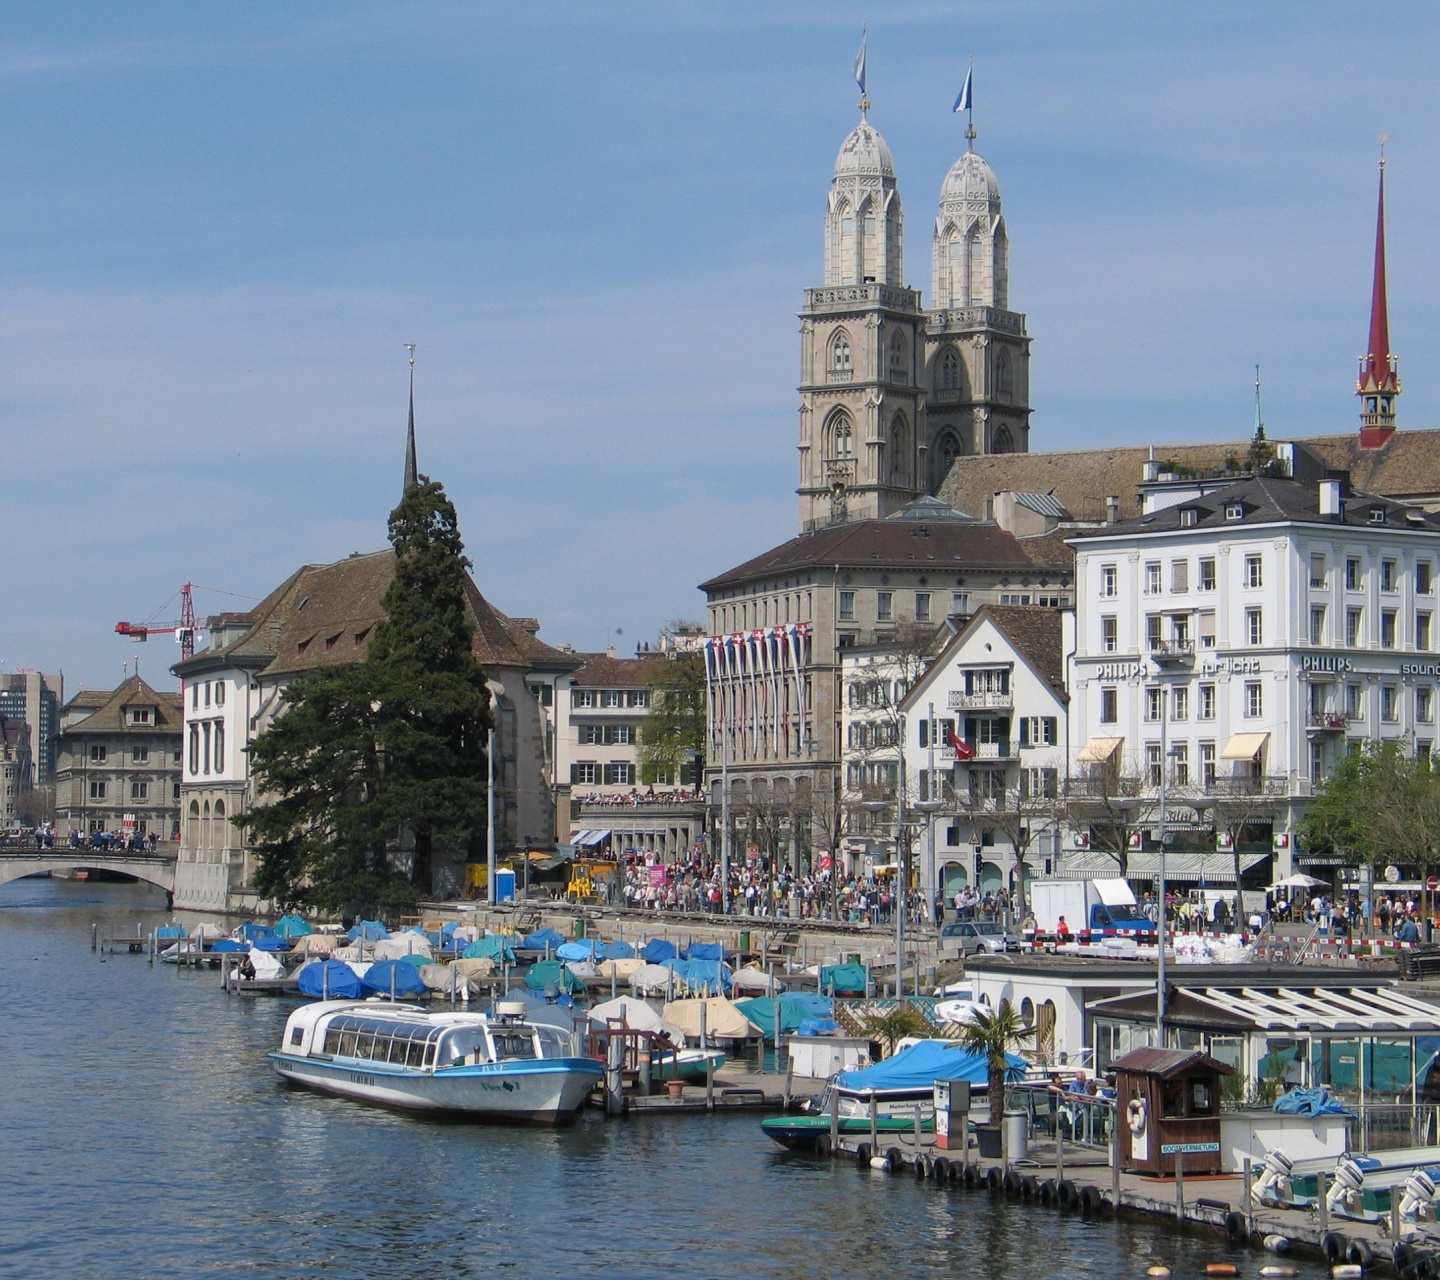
{"points": [[1299, 881]]}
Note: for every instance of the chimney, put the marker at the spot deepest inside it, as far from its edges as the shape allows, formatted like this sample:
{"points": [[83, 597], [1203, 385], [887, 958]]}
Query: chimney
{"points": [[1152, 471], [1112, 508], [1329, 497]]}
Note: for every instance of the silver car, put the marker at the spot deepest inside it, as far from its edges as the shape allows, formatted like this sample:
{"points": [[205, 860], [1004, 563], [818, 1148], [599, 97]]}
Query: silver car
{"points": [[966, 937]]}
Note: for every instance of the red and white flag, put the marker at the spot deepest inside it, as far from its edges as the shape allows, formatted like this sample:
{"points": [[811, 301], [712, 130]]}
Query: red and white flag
{"points": [[963, 750]]}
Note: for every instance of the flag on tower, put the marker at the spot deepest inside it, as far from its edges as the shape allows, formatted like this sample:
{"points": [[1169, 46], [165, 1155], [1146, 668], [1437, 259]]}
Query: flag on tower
{"points": [[860, 60], [963, 102]]}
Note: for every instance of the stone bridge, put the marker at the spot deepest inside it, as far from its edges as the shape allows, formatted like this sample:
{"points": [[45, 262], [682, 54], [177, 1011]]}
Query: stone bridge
{"points": [[154, 868]]}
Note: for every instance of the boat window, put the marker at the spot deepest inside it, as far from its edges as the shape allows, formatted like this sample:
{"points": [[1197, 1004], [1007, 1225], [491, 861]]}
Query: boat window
{"points": [[365, 1044], [513, 1044], [460, 1043], [297, 1034], [415, 1056], [430, 1054], [554, 1043]]}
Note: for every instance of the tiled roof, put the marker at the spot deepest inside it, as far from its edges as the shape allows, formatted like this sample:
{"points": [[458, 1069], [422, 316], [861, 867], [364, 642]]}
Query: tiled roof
{"points": [[1036, 633], [944, 544], [134, 692], [604, 672], [1408, 466], [89, 699], [324, 615]]}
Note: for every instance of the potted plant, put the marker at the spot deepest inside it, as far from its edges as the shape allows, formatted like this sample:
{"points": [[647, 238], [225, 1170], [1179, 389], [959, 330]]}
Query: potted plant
{"points": [[991, 1036]]}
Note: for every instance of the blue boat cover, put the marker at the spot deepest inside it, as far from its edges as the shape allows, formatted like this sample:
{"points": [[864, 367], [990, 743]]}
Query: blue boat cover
{"points": [[551, 973], [250, 930], [406, 978], [227, 944], [657, 951], [541, 939], [448, 928], [795, 1007], [923, 1063], [332, 976], [818, 1027], [712, 975], [618, 950], [585, 949], [292, 926], [704, 951], [369, 930], [490, 947], [1310, 1102], [844, 979], [269, 942], [170, 931]]}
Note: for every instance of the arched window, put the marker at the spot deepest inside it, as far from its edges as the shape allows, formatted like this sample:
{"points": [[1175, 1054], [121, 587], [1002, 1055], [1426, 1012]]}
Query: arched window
{"points": [[1003, 442], [194, 808], [219, 808], [840, 438], [219, 746], [194, 748], [1027, 1011], [898, 364], [899, 448], [1004, 379], [207, 810], [949, 370], [947, 449], [840, 359]]}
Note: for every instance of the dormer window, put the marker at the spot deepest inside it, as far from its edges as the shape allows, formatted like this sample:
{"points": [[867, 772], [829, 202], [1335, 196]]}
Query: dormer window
{"points": [[1234, 511], [1377, 515], [139, 715], [1189, 517]]}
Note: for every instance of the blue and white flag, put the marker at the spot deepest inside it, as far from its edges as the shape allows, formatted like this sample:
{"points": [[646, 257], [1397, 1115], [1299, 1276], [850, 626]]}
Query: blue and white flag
{"points": [[860, 60], [963, 103]]}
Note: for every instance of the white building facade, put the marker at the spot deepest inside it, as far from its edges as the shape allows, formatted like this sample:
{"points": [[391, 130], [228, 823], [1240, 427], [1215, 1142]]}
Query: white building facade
{"points": [[1237, 641]]}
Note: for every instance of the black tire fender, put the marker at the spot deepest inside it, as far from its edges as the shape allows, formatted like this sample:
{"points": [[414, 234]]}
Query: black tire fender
{"points": [[1069, 1194], [1236, 1228], [1360, 1254], [1333, 1245]]}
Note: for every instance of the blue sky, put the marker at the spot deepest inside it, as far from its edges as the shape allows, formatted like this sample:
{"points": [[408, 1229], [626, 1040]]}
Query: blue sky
{"points": [[219, 223]]}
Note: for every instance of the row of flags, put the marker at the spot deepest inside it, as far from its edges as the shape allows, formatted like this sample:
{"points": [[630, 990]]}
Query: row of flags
{"points": [[963, 102], [757, 684]]}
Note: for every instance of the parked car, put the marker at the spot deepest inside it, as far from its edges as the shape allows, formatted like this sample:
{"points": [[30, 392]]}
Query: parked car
{"points": [[966, 937]]}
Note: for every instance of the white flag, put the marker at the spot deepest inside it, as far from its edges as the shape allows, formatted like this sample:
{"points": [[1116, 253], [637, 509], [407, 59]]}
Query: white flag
{"points": [[963, 103], [860, 60]]}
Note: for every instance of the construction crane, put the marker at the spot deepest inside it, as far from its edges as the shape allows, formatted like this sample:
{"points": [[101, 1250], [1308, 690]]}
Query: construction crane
{"points": [[183, 630]]}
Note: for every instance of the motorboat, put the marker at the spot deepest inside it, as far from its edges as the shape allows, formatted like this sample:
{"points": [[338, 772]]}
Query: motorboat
{"points": [[498, 1066]]}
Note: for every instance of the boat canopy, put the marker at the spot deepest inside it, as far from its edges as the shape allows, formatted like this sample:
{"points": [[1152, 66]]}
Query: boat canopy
{"points": [[170, 931], [585, 949], [367, 931], [847, 979], [332, 978], [546, 973], [393, 977], [795, 1008], [704, 951], [658, 950], [292, 926], [491, 947], [923, 1063], [541, 939], [701, 975]]}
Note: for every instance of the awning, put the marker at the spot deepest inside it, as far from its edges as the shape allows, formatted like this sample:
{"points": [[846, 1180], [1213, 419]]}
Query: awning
{"points": [[1215, 868], [1245, 746], [588, 839], [1099, 750]]}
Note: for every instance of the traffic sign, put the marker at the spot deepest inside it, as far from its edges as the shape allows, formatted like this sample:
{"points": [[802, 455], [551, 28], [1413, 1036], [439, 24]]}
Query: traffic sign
{"points": [[1433, 883]]}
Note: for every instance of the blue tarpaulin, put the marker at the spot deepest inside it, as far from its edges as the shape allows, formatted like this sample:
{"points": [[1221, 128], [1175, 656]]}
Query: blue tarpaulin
{"points": [[170, 931], [551, 973], [843, 979], [369, 930], [292, 927], [795, 1008], [249, 931], [543, 938], [818, 1027], [227, 944], [618, 950], [704, 951], [387, 977], [492, 947], [586, 949], [923, 1063], [708, 975], [657, 951], [269, 942], [334, 978], [1310, 1102]]}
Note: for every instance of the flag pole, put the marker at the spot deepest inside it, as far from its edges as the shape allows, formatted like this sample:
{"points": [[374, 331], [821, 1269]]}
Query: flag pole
{"points": [[970, 105]]}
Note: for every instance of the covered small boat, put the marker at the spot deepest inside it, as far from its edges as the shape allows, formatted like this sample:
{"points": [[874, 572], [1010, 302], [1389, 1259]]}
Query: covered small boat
{"points": [[500, 1067]]}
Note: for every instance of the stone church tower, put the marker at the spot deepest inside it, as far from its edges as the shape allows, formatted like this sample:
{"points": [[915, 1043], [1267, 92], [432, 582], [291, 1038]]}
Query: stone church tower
{"points": [[891, 394]]}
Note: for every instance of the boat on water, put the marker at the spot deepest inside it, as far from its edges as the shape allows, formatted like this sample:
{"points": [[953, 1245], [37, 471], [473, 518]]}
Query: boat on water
{"points": [[801, 1132], [498, 1067], [685, 1064]]}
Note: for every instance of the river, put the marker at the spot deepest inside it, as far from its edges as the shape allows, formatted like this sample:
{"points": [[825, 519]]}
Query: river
{"points": [[145, 1135]]}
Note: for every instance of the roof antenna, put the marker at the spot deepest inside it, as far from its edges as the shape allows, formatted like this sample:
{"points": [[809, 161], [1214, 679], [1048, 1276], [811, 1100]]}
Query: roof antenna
{"points": [[411, 476]]}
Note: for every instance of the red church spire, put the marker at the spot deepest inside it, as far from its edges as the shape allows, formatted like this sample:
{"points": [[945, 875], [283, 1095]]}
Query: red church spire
{"points": [[1379, 382]]}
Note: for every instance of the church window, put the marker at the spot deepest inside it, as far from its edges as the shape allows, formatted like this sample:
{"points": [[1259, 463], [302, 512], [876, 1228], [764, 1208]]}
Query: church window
{"points": [[947, 449], [1003, 442], [950, 370], [898, 372], [840, 360], [1004, 381], [899, 448], [842, 438]]}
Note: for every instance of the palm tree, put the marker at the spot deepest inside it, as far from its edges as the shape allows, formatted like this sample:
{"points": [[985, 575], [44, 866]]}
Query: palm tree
{"points": [[992, 1035]]}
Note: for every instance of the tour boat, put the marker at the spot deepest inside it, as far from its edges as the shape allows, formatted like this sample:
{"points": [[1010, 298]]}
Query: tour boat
{"points": [[498, 1066]]}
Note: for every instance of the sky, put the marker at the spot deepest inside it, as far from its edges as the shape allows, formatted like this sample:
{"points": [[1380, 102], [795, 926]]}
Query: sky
{"points": [[220, 223]]}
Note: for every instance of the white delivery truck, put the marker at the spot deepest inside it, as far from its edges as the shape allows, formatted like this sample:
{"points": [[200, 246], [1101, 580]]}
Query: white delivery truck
{"points": [[1093, 910]]}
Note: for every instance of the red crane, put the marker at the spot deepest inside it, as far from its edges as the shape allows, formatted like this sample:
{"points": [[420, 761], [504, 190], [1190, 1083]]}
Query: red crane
{"points": [[183, 630]]}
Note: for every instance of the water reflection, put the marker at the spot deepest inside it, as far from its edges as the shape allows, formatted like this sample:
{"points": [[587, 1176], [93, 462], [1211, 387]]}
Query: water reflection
{"points": [[146, 1134]]}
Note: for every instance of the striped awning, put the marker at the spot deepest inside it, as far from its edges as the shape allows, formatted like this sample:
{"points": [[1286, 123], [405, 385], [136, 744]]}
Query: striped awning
{"points": [[1245, 746], [1099, 750]]}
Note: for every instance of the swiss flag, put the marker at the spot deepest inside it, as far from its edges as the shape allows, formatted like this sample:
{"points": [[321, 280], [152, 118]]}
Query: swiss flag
{"points": [[963, 750]]}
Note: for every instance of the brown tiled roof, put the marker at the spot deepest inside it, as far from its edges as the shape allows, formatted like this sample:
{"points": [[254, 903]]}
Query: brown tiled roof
{"points": [[324, 615], [134, 692], [89, 699], [952, 544], [604, 672], [1036, 632], [1407, 467]]}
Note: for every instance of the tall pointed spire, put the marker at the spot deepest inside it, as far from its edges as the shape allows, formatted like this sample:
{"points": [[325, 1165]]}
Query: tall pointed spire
{"points": [[411, 474], [1379, 381]]}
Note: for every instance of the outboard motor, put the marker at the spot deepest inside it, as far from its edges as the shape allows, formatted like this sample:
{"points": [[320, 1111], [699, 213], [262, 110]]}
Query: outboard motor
{"points": [[1273, 1186], [1417, 1201], [1344, 1196]]}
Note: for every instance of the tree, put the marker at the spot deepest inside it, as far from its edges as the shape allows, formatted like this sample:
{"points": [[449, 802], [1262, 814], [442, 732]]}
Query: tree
{"points": [[1111, 804], [1237, 804], [36, 806], [1020, 813], [991, 1035], [673, 734], [368, 751]]}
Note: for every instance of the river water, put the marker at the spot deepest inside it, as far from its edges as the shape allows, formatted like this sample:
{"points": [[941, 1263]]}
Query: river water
{"points": [[142, 1133]]}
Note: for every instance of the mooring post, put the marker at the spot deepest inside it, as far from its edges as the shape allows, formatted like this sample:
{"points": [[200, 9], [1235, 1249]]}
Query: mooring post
{"points": [[709, 1061], [94, 937], [1114, 1161], [1323, 1209], [834, 1122], [1249, 1198], [874, 1127], [789, 1081], [614, 1076], [1179, 1187], [1059, 1150]]}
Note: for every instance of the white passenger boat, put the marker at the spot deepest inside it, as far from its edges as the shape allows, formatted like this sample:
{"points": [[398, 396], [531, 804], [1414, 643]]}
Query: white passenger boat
{"points": [[397, 1055]]}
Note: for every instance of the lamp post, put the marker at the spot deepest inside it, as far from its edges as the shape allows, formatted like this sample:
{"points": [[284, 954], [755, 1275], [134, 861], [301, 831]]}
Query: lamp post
{"points": [[930, 808]]}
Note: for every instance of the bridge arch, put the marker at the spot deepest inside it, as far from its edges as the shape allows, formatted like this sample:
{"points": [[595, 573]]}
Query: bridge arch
{"points": [[159, 872]]}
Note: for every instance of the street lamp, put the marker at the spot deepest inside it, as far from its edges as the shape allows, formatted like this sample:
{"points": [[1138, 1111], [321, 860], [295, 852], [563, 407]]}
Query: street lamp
{"points": [[927, 872]]}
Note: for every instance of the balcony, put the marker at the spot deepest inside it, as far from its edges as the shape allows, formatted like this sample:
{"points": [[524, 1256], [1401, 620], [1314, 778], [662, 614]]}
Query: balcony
{"points": [[985, 752], [980, 701], [1172, 653], [1327, 722]]}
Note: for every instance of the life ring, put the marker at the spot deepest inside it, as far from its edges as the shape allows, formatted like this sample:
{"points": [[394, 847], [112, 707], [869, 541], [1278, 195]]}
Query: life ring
{"points": [[1135, 1116]]}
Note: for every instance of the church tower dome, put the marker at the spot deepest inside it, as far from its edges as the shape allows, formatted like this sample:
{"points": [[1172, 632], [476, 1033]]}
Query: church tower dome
{"points": [[970, 257], [863, 223]]}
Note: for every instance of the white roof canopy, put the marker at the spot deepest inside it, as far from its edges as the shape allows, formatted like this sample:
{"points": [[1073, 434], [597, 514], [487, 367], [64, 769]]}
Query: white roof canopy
{"points": [[1333, 1011]]}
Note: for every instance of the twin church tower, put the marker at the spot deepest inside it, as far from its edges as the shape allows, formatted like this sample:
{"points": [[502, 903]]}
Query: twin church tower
{"points": [[892, 393]]}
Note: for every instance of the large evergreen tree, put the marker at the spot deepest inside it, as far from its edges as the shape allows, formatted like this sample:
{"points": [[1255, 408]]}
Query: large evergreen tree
{"points": [[367, 752]]}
